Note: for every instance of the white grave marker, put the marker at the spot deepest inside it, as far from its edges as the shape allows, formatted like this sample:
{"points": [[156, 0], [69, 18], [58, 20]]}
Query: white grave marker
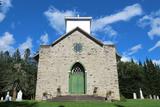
{"points": [[134, 96], [141, 94], [1, 98], [19, 96], [157, 97], [150, 96]]}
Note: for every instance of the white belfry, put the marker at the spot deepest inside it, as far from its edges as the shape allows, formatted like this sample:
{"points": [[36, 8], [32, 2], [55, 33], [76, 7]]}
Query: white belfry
{"points": [[141, 94], [81, 22], [19, 96], [134, 96]]}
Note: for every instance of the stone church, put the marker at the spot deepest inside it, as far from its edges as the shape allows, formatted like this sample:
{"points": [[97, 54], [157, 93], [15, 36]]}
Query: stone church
{"points": [[77, 64]]}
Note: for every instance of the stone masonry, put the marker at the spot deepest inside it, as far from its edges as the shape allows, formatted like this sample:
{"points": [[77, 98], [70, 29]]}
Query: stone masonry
{"points": [[56, 60]]}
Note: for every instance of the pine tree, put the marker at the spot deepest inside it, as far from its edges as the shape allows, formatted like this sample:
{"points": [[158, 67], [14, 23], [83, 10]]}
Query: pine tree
{"points": [[27, 54], [17, 55], [6, 56]]}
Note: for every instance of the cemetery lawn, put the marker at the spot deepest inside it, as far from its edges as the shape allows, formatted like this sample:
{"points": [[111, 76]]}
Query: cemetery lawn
{"points": [[128, 103]]}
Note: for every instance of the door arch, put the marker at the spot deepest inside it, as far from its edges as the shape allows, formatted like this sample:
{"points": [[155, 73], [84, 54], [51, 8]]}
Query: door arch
{"points": [[77, 79]]}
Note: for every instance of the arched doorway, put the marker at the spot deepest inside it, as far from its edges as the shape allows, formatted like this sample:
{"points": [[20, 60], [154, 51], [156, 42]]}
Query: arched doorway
{"points": [[77, 79]]}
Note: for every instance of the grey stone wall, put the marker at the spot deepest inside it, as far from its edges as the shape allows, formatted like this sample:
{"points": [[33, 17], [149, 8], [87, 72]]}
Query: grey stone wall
{"points": [[55, 63]]}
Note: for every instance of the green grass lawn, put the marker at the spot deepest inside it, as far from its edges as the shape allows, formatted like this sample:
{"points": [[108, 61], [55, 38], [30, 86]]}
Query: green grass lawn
{"points": [[128, 103]]}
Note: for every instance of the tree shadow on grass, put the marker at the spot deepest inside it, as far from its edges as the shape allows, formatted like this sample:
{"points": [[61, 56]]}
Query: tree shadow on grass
{"points": [[18, 104], [117, 105], [61, 106]]}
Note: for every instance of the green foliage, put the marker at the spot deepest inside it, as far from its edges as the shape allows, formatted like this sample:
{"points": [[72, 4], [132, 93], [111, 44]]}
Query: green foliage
{"points": [[133, 76], [122, 98], [18, 73], [27, 54], [17, 55]]}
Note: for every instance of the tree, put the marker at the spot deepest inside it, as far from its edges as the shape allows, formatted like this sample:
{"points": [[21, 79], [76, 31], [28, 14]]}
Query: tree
{"points": [[6, 56], [17, 74], [26, 54], [17, 55], [130, 78]]}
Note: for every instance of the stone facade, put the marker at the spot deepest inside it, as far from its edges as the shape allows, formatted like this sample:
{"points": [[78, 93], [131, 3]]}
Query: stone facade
{"points": [[56, 60]]}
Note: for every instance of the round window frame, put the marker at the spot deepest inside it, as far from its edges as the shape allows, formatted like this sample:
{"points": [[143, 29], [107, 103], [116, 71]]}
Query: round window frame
{"points": [[77, 47]]}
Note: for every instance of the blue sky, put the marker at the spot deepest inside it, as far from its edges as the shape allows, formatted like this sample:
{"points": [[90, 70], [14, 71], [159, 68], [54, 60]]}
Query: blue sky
{"points": [[132, 25]]}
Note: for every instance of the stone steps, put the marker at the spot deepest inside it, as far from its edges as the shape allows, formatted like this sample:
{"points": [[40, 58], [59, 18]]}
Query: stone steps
{"points": [[78, 98]]}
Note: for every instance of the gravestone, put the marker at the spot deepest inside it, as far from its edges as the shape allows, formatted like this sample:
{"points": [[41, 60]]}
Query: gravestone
{"points": [[141, 94], [134, 96], [7, 97], [154, 97], [150, 96], [10, 98], [157, 97], [1, 98], [19, 96]]}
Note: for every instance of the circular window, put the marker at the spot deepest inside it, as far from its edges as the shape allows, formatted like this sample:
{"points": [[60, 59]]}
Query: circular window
{"points": [[77, 47]]}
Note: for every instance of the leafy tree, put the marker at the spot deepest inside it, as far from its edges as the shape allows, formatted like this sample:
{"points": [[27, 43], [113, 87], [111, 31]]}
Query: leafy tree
{"points": [[17, 74]]}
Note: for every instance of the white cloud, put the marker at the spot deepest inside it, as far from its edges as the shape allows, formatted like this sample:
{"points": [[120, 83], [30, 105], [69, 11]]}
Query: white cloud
{"points": [[56, 18], [144, 21], [2, 16], [156, 61], [155, 46], [125, 59], [127, 56], [155, 28], [6, 42], [25, 45], [108, 42], [124, 15], [128, 59], [153, 21], [135, 49], [44, 39], [6, 4], [109, 31]]}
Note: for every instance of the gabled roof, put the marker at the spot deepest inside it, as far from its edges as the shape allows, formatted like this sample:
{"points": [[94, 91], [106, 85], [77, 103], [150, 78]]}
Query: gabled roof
{"points": [[67, 34], [83, 32]]}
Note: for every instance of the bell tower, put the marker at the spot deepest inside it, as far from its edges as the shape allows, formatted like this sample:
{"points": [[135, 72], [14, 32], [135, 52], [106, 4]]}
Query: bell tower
{"points": [[81, 22]]}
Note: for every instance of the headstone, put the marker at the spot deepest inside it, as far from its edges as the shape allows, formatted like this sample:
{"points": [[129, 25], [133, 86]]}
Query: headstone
{"points": [[150, 96], [1, 98], [10, 98], [134, 96], [157, 97], [19, 96], [154, 97], [7, 97], [141, 94]]}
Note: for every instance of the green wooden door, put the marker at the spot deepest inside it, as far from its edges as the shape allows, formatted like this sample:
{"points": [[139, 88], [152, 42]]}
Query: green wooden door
{"points": [[77, 81]]}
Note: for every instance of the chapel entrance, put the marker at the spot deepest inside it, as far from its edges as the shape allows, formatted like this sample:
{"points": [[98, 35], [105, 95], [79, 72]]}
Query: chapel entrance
{"points": [[77, 79]]}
